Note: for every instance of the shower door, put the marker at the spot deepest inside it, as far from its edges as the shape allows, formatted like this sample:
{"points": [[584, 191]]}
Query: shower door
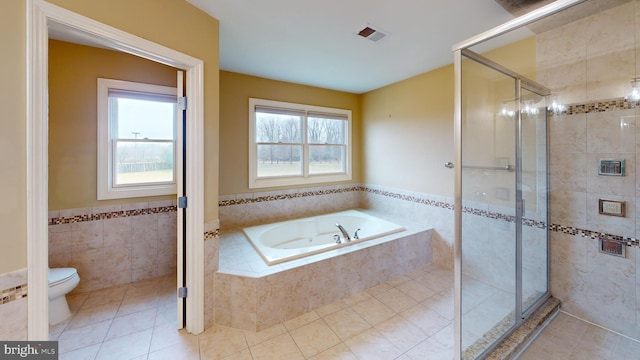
{"points": [[503, 272]]}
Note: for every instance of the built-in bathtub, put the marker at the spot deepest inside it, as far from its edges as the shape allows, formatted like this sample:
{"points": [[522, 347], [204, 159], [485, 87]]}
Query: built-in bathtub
{"points": [[252, 295], [294, 239]]}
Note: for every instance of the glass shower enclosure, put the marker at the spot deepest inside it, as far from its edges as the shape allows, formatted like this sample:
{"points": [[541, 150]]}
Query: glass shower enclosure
{"points": [[503, 169], [501, 180]]}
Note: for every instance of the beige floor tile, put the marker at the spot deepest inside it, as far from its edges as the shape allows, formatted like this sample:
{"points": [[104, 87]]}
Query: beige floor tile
{"points": [[396, 300], [346, 323], [83, 336], [131, 304], [85, 353], [379, 289], [400, 332], [167, 314], [187, 349], [331, 308], [372, 345], [442, 304], [398, 280], [373, 311], [281, 347], [218, 342], [144, 288], [105, 296], [432, 350], [169, 335], [126, 347], [427, 320], [404, 357], [254, 338], [94, 315], [301, 320], [131, 323], [76, 301], [338, 352], [416, 290], [357, 297], [314, 338], [242, 355]]}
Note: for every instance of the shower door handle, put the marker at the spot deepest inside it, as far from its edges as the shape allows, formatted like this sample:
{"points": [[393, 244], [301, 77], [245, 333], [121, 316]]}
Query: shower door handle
{"points": [[449, 165]]}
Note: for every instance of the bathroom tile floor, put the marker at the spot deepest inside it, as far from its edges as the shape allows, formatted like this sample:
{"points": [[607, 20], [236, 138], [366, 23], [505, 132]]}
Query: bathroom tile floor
{"points": [[406, 318], [567, 337]]}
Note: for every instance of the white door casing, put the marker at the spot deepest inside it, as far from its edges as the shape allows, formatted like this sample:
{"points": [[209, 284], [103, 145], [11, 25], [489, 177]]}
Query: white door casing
{"points": [[41, 14]]}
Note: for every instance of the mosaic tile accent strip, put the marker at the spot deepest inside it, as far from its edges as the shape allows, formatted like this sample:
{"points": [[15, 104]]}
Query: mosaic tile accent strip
{"points": [[410, 198], [356, 188], [597, 106], [508, 218], [570, 230], [111, 215], [287, 196], [13, 293], [213, 234], [450, 206]]}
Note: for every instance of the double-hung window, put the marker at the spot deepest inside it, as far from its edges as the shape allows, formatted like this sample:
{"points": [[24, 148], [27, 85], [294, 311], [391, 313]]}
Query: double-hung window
{"points": [[136, 139], [292, 144]]}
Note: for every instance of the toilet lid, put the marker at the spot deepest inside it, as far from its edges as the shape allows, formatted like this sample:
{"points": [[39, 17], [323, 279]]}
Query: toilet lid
{"points": [[60, 275]]}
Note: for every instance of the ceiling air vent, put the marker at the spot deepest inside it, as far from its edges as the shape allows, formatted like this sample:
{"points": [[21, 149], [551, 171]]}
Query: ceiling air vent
{"points": [[372, 34]]}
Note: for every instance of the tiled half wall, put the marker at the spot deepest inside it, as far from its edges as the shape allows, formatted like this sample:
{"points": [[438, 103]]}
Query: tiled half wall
{"points": [[114, 245], [257, 303], [13, 307]]}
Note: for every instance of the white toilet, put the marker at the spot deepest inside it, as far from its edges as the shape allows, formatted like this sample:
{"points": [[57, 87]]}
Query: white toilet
{"points": [[61, 282]]}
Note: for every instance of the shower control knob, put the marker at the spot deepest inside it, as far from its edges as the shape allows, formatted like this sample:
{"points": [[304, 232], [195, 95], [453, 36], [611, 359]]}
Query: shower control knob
{"points": [[449, 165]]}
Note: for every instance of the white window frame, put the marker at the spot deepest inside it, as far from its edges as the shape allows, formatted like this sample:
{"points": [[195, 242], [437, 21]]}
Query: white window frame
{"points": [[306, 178], [106, 188]]}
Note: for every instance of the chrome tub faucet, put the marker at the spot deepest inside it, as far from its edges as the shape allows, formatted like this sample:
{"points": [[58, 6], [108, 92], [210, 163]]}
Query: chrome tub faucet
{"points": [[344, 232]]}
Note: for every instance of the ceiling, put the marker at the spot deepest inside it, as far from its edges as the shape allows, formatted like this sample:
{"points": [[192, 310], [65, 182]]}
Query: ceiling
{"points": [[316, 42]]}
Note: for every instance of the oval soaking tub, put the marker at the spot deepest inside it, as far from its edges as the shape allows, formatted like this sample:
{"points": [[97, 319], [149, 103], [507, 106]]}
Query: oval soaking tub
{"points": [[293, 239]]}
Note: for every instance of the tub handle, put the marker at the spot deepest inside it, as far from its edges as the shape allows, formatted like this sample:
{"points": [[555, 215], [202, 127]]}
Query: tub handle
{"points": [[336, 237], [355, 236]]}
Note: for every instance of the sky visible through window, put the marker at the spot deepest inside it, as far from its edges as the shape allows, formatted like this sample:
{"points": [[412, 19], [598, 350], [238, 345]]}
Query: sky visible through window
{"points": [[145, 119]]}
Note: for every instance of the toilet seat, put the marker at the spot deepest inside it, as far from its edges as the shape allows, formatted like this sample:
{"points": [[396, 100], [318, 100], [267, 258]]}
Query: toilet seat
{"points": [[58, 276]]}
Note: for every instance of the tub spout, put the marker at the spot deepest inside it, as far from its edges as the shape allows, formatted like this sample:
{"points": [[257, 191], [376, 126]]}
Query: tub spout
{"points": [[344, 232]]}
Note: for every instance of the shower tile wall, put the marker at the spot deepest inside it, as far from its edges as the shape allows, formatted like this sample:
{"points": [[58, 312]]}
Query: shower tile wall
{"points": [[113, 245], [588, 63]]}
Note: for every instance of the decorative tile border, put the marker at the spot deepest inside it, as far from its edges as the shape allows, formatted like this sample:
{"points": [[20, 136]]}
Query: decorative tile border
{"points": [[287, 196], [13, 293], [208, 235], [448, 205], [597, 106], [410, 198], [111, 215], [508, 218], [570, 230]]}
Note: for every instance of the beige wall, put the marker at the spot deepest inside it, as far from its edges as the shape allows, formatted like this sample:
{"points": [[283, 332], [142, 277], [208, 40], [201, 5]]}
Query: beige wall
{"points": [[408, 133], [182, 27], [174, 23], [73, 73], [235, 91], [407, 127], [13, 253]]}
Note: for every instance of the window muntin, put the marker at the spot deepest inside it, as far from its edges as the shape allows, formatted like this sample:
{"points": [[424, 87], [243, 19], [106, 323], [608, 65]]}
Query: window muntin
{"points": [[137, 139], [297, 144]]}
